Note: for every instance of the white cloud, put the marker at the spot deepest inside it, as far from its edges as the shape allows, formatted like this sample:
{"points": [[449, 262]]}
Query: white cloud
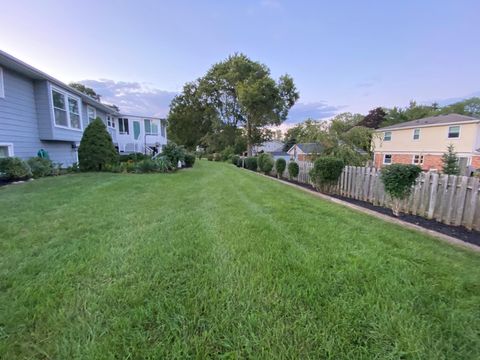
{"points": [[314, 110], [133, 97]]}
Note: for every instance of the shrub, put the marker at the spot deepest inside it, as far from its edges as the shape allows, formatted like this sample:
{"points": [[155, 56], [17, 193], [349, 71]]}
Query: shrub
{"points": [[265, 163], [280, 166], [240, 162], [210, 157], [293, 169], [251, 163], [326, 171], [133, 156], [227, 153], [235, 159], [96, 147], [163, 165], [40, 166], [14, 168], [146, 166], [173, 153], [189, 160], [217, 157], [398, 180]]}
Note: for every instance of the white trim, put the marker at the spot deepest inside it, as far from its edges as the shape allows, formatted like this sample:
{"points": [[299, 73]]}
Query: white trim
{"points": [[94, 113], [2, 84], [66, 95], [459, 132], [421, 159], [9, 148], [391, 159]]}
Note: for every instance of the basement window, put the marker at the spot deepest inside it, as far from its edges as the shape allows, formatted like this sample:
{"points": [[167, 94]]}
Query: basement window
{"points": [[387, 159]]}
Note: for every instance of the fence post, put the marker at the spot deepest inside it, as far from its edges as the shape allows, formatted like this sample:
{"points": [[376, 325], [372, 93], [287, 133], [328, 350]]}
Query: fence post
{"points": [[433, 196], [470, 215], [461, 197]]}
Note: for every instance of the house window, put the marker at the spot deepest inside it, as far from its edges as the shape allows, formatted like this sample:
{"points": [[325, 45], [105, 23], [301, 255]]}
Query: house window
{"points": [[2, 85], [162, 128], [66, 110], [454, 132], [416, 134], [151, 127], [110, 121], [73, 108], [6, 150], [123, 126], [418, 159], [91, 114], [387, 136], [387, 159]]}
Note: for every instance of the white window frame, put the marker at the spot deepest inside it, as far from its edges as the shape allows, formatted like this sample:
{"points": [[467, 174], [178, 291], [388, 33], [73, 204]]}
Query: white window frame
{"points": [[9, 148], [419, 132], [385, 135], [2, 84], [421, 159], [94, 113], [123, 119], [66, 95], [459, 132], [151, 121], [385, 156], [111, 120]]}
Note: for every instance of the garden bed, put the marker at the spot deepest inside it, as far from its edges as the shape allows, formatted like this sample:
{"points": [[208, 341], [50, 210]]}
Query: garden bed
{"points": [[458, 232]]}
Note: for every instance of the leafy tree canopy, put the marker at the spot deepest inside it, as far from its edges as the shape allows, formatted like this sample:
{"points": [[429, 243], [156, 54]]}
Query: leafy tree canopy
{"points": [[86, 90]]}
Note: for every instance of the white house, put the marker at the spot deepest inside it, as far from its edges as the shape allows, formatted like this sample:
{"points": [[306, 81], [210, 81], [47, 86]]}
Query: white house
{"points": [[143, 134], [268, 147]]}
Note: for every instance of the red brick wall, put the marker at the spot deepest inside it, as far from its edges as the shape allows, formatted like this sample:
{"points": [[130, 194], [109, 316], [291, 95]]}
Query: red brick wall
{"points": [[476, 162], [429, 161]]}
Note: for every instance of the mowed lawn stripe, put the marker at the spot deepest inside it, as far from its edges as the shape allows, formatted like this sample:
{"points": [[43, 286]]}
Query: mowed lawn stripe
{"points": [[216, 261]]}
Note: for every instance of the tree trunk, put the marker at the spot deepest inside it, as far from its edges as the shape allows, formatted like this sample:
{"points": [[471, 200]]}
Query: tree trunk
{"points": [[249, 139]]}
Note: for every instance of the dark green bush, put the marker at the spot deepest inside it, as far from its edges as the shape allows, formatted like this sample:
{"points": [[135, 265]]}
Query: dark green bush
{"points": [[398, 180], [96, 147], [240, 162], [235, 159], [251, 163], [227, 153], [133, 156], [14, 169], [210, 157], [173, 153], [189, 160], [265, 163], [40, 166], [326, 171], [293, 169], [146, 166], [217, 157], [280, 166]]}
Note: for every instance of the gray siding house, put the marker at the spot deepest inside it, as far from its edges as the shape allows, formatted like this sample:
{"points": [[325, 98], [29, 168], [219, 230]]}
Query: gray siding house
{"points": [[38, 111]]}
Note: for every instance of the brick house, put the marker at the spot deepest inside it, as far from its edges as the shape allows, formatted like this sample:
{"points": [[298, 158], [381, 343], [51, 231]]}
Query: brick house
{"points": [[423, 142]]}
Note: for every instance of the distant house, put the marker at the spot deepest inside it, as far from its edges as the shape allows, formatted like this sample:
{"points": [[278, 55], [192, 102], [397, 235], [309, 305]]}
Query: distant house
{"points": [[268, 147], [305, 151], [422, 142], [38, 111]]}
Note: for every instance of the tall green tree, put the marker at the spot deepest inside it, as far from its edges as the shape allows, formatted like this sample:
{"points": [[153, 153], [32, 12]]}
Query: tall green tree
{"points": [[244, 94], [450, 161], [85, 89], [190, 118]]}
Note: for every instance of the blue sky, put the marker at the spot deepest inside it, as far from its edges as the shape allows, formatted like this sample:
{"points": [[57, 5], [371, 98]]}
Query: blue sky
{"points": [[343, 55]]}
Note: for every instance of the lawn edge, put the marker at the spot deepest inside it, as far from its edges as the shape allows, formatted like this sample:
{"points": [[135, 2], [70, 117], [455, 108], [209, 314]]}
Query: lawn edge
{"points": [[435, 234]]}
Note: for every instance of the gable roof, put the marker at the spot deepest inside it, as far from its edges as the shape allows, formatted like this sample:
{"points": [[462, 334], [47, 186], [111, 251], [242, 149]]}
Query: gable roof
{"points": [[11, 62], [310, 148], [433, 121]]}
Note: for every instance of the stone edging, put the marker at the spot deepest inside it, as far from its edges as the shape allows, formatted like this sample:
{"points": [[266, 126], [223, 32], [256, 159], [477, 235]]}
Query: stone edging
{"points": [[435, 234]]}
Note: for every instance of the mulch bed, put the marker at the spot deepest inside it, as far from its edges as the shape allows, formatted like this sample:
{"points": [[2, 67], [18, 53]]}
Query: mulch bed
{"points": [[458, 232]]}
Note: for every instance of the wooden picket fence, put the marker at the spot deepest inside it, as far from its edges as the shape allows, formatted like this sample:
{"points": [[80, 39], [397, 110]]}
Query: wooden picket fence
{"points": [[452, 200]]}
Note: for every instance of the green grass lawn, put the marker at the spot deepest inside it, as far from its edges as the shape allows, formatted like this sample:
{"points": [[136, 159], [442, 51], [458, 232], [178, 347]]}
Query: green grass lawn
{"points": [[219, 262]]}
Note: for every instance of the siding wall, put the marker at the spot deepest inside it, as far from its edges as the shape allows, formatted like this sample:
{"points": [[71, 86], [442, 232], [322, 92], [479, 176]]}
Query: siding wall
{"points": [[23, 116]]}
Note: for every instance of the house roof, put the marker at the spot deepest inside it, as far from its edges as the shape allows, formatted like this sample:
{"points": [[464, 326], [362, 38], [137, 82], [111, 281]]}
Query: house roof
{"points": [[11, 62], [278, 153], [309, 148], [432, 121]]}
